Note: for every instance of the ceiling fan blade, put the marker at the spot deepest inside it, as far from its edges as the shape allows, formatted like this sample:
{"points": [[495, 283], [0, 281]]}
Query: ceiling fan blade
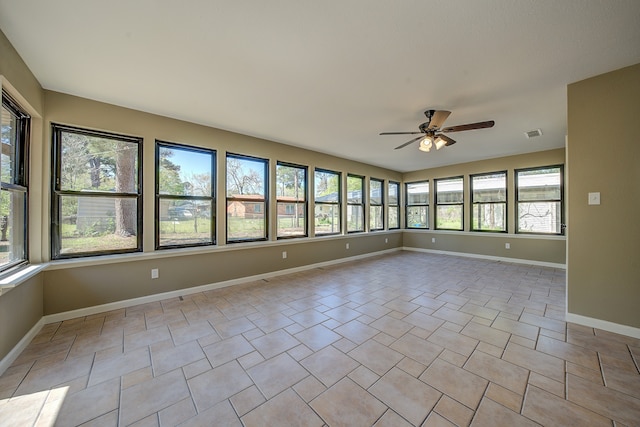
{"points": [[438, 119], [470, 126], [446, 138], [400, 133], [409, 142]]}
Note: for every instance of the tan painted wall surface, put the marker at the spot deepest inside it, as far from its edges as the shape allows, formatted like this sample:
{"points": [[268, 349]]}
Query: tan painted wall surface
{"points": [[21, 308], [548, 250], [604, 156]]}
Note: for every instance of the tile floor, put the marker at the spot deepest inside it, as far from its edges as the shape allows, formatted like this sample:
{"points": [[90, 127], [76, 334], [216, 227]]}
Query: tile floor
{"points": [[406, 339]]}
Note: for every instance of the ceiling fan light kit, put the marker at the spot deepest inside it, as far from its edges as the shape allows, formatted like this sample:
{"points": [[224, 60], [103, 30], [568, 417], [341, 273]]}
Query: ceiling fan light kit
{"points": [[430, 129]]}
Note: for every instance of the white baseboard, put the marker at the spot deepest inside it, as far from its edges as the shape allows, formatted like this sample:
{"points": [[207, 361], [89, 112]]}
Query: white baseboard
{"points": [[88, 311], [19, 348], [489, 257], [605, 325]]}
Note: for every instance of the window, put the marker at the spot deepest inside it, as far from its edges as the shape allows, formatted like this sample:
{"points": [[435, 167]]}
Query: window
{"points": [[489, 202], [97, 198], [417, 208], [291, 196], [246, 198], [355, 203], [394, 205], [539, 198], [376, 204], [185, 204], [327, 202], [449, 204], [13, 188]]}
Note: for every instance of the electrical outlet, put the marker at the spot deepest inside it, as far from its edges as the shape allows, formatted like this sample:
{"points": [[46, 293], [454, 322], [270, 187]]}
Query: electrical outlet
{"points": [[386, 240], [347, 246], [433, 240], [284, 254], [594, 198], [155, 273], [507, 245]]}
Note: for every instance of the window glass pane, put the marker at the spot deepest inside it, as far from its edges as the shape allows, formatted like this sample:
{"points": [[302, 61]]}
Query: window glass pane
{"points": [[8, 138], [418, 193], [355, 186], [449, 191], [93, 163], [327, 219], [12, 227], [539, 184], [292, 220], [449, 217], [393, 193], [417, 216], [394, 214], [184, 172], [291, 183], [185, 222], [246, 177], [540, 217], [97, 224], [376, 218], [489, 216], [375, 192], [489, 188], [327, 186], [246, 220], [355, 218]]}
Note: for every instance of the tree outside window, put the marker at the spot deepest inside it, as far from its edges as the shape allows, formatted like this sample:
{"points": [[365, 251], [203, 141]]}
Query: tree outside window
{"points": [[539, 195], [376, 207], [246, 198], [327, 202], [96, 193], [449, 204], [185, 208], [291, 195]]}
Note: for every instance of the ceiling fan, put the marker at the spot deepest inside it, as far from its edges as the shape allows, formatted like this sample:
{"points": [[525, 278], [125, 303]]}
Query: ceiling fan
{"points": [[430, 133]]}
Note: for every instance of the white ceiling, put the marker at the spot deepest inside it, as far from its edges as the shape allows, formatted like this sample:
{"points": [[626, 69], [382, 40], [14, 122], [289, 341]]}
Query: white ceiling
{"points": [[331, 75]]}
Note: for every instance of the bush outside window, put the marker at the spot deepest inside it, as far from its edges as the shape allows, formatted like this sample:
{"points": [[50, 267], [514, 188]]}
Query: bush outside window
{"points": [[376, 204], [327, 202], [355, 203], [489, 202], [393, 211], [539, 195]]}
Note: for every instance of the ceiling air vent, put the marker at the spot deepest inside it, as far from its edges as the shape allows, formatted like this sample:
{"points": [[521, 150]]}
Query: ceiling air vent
{"points": [[533, 133]]}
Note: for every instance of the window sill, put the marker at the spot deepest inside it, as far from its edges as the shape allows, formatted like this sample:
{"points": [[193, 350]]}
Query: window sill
{"points": [[15, 278]]}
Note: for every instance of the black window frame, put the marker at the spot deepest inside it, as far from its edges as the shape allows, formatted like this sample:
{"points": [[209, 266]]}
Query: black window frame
{"points": [[437, 203], [56, 193], [264, 201], [373, 204], [159, 197], [360, 204], [475, 203], [409, 204], [395, 206], [561, 223], [19, 178], [337, 203], [305, 202]]}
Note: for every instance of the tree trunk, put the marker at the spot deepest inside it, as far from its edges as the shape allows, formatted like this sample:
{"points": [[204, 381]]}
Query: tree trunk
{"points": [[94, 169], [126, 218]]}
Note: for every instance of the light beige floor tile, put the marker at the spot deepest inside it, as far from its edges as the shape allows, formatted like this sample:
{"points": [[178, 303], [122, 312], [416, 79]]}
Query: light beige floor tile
{"points": [[218, 384], [461, 385], [329, 365], [222, 413], [168, 359], [347, 404], [247, 400], [226, 350], [547, 384], [486, 334], [285, 410], [105, 368], [420, 350], [542, 363], [504, 397], [453, 341], [514, 327], [501, 372], [309, 318], [491, 414], [606, 401], [146, 398], [317, 337], [177, 413], [57, 374], [436, 420], [409, 397], [309, 388], [549, 409], [277, 374], [356, 331], [454, 411], [376, 356], [391, 419], [568, 351]]}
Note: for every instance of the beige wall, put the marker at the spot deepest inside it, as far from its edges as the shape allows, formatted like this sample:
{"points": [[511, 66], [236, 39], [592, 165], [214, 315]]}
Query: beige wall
{"points": [[543, 249], [604, 156], [22, 307]]}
